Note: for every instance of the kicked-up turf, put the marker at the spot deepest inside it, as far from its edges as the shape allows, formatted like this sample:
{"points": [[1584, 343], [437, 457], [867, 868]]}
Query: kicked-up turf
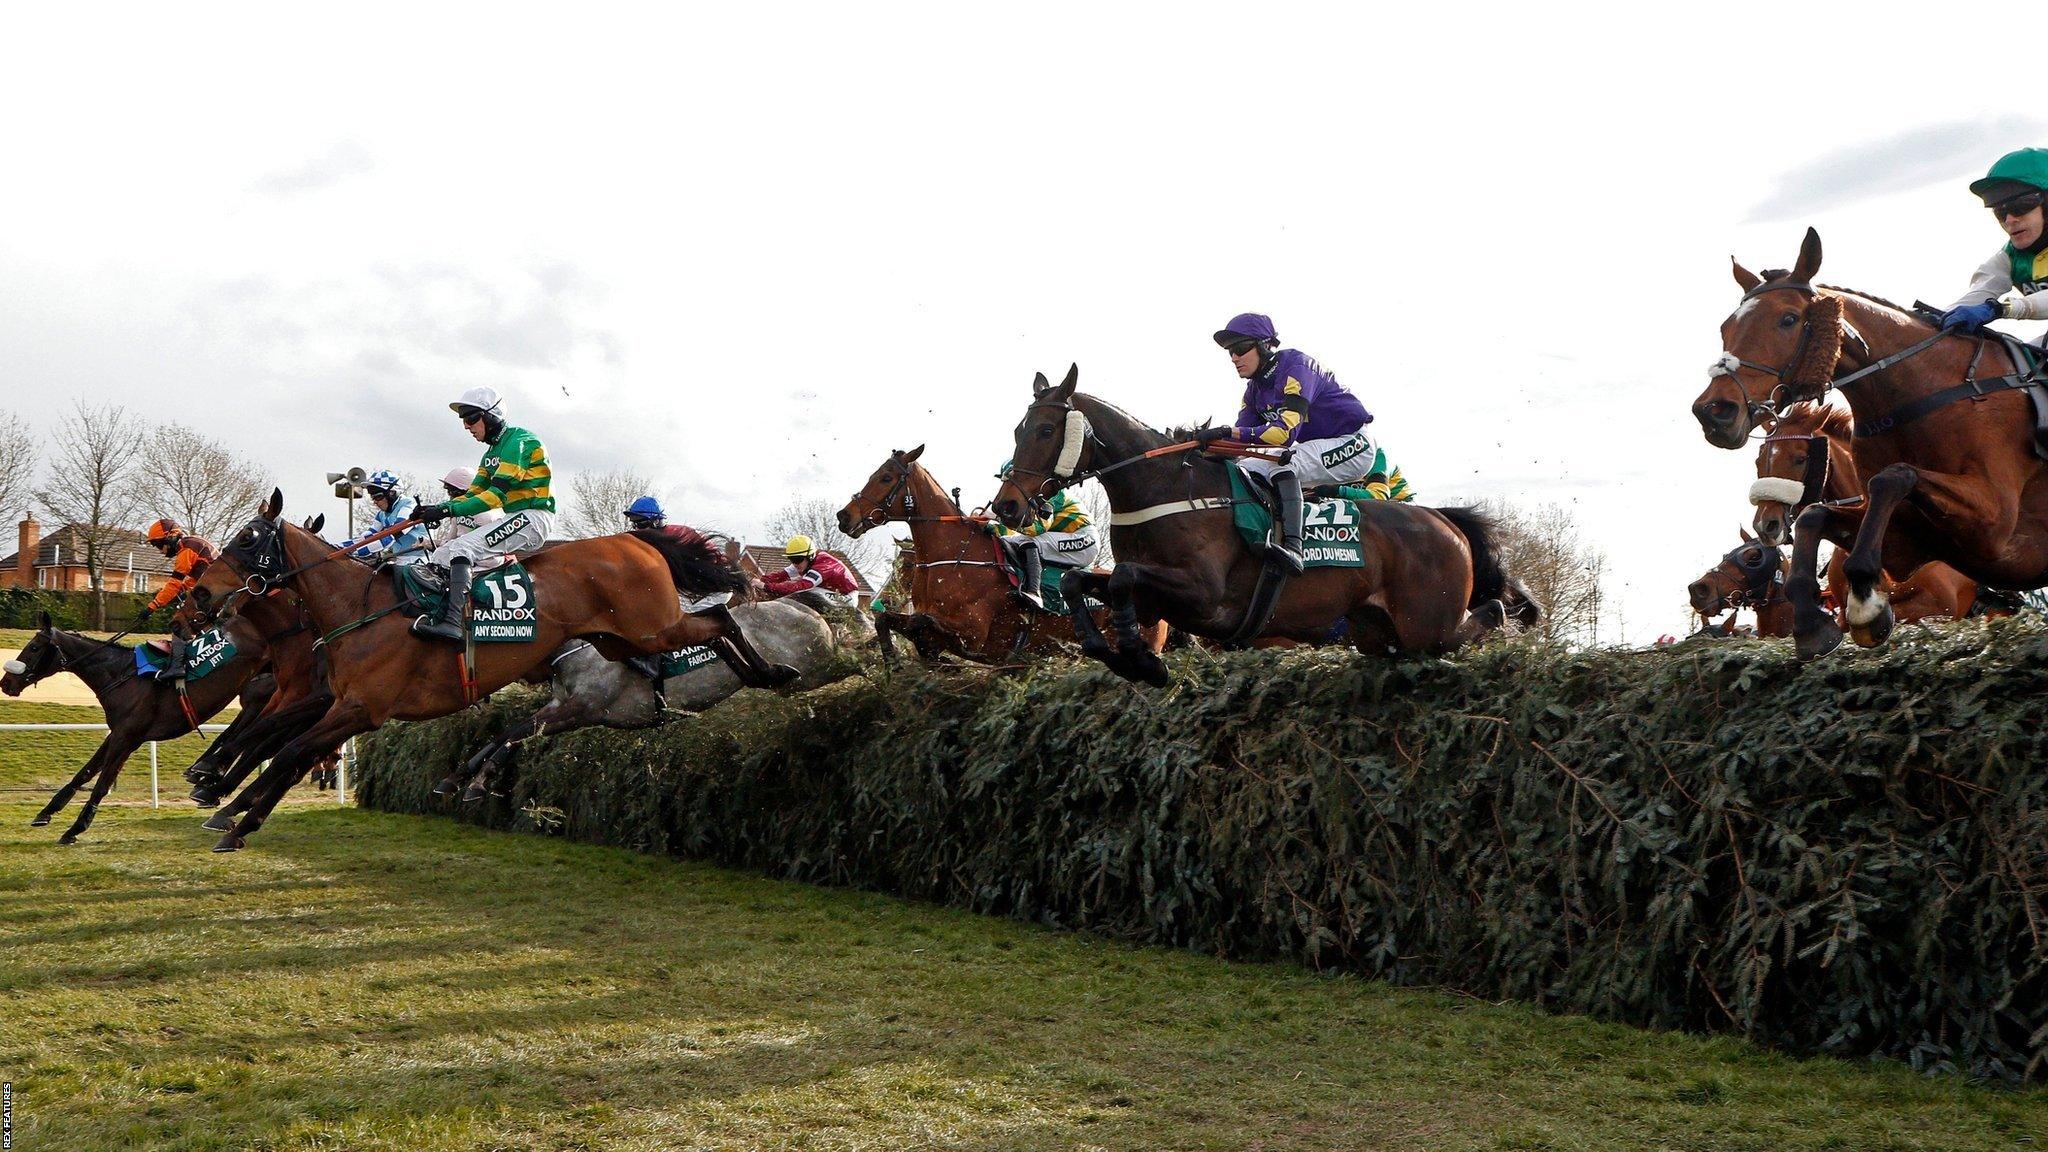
{"points": [[358, 980]]}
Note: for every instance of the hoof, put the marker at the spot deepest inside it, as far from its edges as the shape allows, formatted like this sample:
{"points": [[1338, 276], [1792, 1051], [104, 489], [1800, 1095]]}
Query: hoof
{"points": [[780, 675], [68, 838], [219, 822], [229, 843], [1818, 643], [1145, 668], [205, 797], [447, 787], [476, 794], [39, 822], [1875, 633]]}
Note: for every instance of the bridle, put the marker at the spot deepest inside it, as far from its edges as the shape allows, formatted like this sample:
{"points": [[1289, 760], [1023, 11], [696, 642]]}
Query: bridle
{"points": [[1066, 471], [1790, 387], [879, 514], [1758, 580]]}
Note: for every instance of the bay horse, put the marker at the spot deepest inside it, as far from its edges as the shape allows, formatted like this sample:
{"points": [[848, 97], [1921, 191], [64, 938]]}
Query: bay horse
{"points": [[617, 591], [1809, 456], [1752, 575], [962, 597], [141, 709], [1949, 481], [1180, 559]]}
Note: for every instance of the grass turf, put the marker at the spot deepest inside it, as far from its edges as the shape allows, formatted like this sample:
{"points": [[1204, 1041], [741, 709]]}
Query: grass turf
{"points": [[367, 981]]}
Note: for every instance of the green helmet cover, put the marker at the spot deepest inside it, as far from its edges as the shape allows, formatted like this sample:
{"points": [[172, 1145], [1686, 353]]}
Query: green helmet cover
{"points": [[2027, 167]]}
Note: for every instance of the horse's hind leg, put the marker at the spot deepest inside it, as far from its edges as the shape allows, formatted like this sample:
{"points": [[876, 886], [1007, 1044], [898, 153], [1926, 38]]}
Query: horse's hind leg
{"points": [[1814, 633], [343, 720], [1480, 623]]}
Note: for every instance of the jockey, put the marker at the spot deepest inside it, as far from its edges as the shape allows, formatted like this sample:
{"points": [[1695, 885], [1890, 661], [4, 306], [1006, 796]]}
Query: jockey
{"points": [[513, 478], [456, 527], [646, 512], [1290, 400], [809, 568], [189, 556], [392, 508], [1065, 532], [2014, 190]]}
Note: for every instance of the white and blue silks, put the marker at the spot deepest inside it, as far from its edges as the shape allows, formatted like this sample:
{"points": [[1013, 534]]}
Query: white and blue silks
{"points": [[411, 543]]}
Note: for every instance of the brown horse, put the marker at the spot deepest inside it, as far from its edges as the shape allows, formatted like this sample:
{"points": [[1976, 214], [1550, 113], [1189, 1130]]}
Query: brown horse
{"points": [[618, 591], [1180, 559], [1752, 576], [957, 581], [138, 709], [1956, 482], [1808, 457]]}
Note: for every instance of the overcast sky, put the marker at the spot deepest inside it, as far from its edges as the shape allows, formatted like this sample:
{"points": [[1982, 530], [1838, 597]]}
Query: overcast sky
{"points": [[749, 250]]}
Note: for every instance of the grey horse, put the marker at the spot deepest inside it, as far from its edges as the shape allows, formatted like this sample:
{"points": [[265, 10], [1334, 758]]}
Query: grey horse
{"points": [[590, 690]]}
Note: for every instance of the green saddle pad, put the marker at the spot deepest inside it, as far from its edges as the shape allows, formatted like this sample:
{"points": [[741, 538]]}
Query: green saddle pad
{"points": [[683, 661], [1049, 578], [502, 608], [208, 652], [1329, 528]]}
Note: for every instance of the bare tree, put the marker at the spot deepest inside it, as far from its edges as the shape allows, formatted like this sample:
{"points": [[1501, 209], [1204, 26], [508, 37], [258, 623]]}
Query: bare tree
{"points": [[17, 464], [1541, 547], [597, 499], [90, 485], [818, 518], [207, 488]]}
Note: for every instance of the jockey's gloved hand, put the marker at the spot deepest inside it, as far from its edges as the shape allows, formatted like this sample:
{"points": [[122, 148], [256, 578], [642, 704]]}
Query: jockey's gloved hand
{"points": [[1211, 435], [1969, 318], [430, 514]]}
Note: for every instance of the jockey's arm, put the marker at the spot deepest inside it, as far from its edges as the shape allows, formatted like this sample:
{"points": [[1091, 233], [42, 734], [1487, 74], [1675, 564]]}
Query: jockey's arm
{"points": [[1280, 432], [1990, 281]]}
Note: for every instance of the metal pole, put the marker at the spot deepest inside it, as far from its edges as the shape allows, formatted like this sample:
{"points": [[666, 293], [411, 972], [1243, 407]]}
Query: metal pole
{"points": [[153, 799]]}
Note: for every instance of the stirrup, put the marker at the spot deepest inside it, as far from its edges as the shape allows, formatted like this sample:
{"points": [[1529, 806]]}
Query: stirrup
{"points": [[434, 628]]}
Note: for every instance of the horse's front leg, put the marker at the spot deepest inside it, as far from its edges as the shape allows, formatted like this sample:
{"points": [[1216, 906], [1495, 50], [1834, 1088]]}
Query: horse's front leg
{"points": [[1813, 630], [93, 763], [1126, 583], [1078, 587]]}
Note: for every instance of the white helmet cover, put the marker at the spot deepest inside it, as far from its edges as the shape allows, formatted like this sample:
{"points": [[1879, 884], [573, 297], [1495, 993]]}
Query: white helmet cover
{"points": [[485, 398]]}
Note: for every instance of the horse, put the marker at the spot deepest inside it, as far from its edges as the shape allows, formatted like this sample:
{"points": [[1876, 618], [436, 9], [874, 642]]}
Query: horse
{"points": [[617, 591], [1944, 481], [591, 690], [142, 709], [1180, 559], [956, 576], [1809, 456], [1752, 575]]}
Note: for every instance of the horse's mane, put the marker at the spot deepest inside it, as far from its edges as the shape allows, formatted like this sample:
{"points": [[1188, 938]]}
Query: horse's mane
{"points": [[1770, 274]]}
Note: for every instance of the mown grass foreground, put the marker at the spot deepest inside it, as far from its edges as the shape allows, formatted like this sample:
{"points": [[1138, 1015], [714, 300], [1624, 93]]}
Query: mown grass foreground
{"points": [[370, 981]]}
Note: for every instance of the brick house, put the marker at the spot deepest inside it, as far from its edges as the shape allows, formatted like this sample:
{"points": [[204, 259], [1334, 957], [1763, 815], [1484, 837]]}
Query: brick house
{"points": [[127, 562]]}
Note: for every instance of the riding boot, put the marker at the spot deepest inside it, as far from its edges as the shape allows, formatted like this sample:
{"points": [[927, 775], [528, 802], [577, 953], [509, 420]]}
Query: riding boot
{"points": [[648, 666], [181, 658], [454, 610], [1288, 486], [1030, 571], [745, 660]]}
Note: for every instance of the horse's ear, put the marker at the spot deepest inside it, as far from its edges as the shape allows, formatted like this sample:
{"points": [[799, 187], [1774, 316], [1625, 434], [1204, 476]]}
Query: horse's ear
{"points": [[272, 506], [1039, 383], [1744, 276], [1067, 385], [1746, 537], [43, 622], [317, 523], [1809, 258], [913, 454]]}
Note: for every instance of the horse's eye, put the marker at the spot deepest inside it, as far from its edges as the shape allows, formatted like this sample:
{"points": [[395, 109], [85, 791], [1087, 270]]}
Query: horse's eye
{"points": [[1788, 319], [1045, 431]]}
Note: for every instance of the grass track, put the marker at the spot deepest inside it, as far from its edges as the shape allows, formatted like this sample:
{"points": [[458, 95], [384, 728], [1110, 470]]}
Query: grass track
{"points": [[368, 981]]}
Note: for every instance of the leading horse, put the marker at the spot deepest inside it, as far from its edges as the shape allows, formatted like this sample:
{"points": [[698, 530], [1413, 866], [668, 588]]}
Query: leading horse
{"points": [[1180, 559], [617, 591], [1946, 480]]}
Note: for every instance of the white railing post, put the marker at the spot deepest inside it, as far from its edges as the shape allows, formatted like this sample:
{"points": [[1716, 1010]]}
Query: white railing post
{"points": [[154, 800], [341, 771]]}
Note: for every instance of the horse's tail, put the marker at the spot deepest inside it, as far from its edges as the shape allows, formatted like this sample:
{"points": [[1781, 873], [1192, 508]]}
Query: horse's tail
{"points": [[694, 563], [1490, 579]]}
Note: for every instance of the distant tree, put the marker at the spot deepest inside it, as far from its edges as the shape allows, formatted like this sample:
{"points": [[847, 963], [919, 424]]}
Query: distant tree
{"points": [[208, 489], [598, 498], [1541, 546], [17, 464], [90, 485], [818, 518]]}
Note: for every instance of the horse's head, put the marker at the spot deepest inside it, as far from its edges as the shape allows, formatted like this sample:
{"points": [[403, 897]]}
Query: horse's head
{"points": [[1051, 441], [1780, 345], [1791, 472], [253, 560], [885, 497], [1743, 577], [41, 658]]}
